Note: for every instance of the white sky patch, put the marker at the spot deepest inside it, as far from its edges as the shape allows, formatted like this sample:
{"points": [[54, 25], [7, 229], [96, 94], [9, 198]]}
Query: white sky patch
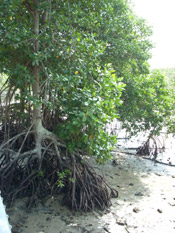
{"points": [[160, 14]]}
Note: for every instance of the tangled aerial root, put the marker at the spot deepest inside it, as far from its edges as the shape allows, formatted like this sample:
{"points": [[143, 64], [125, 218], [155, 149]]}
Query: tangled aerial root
{"points": [[88, 189], [23, 174], [25, 177], [151, 148]]}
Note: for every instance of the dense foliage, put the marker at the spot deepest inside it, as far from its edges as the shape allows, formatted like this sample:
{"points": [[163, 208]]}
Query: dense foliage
{"points": [[169, 74], [78, 92], [147, 104], [86, 47]]}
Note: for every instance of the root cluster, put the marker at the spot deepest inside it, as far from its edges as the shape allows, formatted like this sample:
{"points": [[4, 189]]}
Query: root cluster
{"points": [[88, 189], [23, 174], [151, 147]]}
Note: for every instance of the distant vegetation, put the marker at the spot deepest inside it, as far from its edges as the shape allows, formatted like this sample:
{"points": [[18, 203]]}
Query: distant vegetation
{"points": [[3, 78], [169, 74]]}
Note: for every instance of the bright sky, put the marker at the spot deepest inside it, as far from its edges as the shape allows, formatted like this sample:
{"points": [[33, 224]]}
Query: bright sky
{"points": [[160, 14]]}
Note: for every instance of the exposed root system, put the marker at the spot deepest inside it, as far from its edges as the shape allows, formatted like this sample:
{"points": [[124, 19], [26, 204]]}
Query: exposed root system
{"points": [[88, 189], [24, 174], [151, 147], [35, 163]]}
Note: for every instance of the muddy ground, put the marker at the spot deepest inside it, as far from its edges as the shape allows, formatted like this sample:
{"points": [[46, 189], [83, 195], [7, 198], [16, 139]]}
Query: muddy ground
{"points": [[146, 203]]}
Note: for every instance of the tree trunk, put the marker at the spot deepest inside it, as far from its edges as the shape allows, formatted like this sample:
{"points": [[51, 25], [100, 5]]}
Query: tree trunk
{"points": [[37, 122]]}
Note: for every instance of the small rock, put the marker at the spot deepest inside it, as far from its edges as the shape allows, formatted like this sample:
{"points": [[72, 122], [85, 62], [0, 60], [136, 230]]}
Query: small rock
{"points": [[106, 229], [159, 210], [136, 210], [139, 194], [171, 203], [158, 174], [114, 163], [173, 176], [89, 225], [131, 184], [121, 223], [107, 211], [56, 214]]}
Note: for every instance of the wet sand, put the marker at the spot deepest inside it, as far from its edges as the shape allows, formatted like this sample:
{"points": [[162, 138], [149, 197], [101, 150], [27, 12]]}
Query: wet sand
{"points": [[146, 203]]}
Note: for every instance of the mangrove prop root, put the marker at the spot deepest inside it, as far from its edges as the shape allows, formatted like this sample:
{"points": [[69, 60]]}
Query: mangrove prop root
{"points": [[22, 174], [87, 190], [151, 147]]}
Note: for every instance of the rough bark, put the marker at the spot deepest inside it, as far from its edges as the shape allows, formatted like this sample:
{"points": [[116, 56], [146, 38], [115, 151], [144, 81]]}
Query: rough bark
{"points": [[37, 122], [35, 86]]}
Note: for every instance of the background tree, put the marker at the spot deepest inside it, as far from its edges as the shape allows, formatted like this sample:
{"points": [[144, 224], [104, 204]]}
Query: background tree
{"points": [[146, 104]]}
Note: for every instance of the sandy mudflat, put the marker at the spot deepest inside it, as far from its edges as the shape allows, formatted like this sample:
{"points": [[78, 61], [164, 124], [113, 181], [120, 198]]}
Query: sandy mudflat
{"points": [[146, 203]]}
